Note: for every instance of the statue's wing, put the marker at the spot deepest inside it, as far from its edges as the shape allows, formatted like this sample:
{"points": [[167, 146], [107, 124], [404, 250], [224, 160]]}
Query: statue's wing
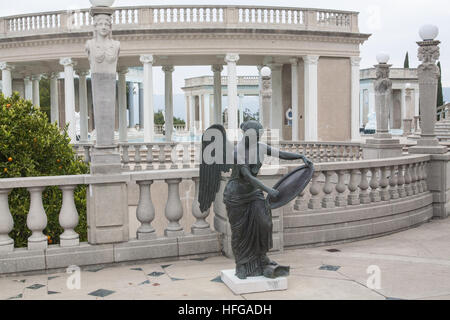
{"points": [[211, 173]]}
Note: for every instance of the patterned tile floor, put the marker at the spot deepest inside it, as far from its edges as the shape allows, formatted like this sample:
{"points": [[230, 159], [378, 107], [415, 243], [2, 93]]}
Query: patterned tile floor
{"points": [[413, 264]]}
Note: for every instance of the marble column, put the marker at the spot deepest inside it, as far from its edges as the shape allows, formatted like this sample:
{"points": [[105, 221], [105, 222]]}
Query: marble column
{"points": [[241, 108], [36, 91], [122, 93], [69, 94], [149, 113], [231, 59], [54, 98], [217, 69], [207, 110], [266, 97], [131, 106], [6, 78], [141, 105], [192, 110], [277, 110], [261, 117], [382, 145], [295, 102], [428, 74], [355, 124], [28, 88], [168, 92], [311, 99], [84, 117]]}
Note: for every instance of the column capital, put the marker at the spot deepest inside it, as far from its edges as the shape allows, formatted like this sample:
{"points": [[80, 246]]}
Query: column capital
{"points": [[217, 68], [310, 59], [35, 77], [67, 62], [122, 71], [6, 66], [82, 73], [232, 58], [168, 69], [355, 61], [293, 61], [147, 59], [275, 66]]}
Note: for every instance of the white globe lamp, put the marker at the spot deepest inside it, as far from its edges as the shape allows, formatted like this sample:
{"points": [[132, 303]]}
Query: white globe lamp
{"points": [[266, 72], [102, 3], [428, 32], [383, 58]]}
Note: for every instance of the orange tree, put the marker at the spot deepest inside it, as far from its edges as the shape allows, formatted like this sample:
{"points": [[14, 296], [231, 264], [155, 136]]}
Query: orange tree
{"points": [[30, 146]]}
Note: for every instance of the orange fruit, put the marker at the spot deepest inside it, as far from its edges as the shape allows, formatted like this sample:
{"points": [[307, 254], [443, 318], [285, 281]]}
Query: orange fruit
{"points": [[58, 161], [5, 170], [10, 159], [60, 167], [8, 105]]}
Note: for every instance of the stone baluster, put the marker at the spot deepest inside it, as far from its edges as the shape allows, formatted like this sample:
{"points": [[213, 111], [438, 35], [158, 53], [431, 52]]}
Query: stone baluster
{"points": [[37, 220], [328, 199], [87, 154], [300, 203], [173, 156], [353, 197], [425, 177], [200, 227], [393, 181], [197, 155], [374, 193], [408, 186], [162, 157], [137, 157], [384, 183], [6, 223], [414, 178], [68, 218], [149, 157], [174, 209], [364, 196], [419, 177], [125, 157], [145, 212], [314, 202], [401, 182], [186, 156], [341, 201]]}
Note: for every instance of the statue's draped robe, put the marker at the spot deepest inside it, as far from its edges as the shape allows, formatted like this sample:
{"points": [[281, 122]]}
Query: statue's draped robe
{"points": [[250, 218]]}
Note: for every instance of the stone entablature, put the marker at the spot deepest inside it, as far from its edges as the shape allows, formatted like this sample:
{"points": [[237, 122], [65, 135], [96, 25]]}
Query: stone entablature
{"points": [[209, 81], [395, 74]]}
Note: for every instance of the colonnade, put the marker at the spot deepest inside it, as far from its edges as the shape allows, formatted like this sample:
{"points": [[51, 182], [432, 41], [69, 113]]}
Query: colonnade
{"points": [[210, 115]]}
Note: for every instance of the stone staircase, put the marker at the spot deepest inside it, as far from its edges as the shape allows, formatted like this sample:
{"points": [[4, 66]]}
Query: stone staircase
{"points": [[442, 128]]}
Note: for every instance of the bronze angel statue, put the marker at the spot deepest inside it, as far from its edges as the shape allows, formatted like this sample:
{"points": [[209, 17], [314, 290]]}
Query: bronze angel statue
{"points": [[249, 211]]}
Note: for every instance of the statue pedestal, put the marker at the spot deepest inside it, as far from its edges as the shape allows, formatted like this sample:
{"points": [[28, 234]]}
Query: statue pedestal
{"points": [[253, 284], [382, 148]]}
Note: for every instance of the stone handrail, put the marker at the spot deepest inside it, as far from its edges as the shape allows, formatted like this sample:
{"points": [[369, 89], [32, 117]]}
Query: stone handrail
{"points": [[194, 16], [209, 81], [175, 155], [340, 193]]}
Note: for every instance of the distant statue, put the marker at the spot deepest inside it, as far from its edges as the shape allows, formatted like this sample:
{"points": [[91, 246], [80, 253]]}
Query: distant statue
{"points": [[102, 50], [249, 212]]}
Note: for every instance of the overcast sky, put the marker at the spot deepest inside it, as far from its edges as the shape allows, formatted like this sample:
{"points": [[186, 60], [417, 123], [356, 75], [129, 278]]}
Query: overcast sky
{"points": [[394, 26]]}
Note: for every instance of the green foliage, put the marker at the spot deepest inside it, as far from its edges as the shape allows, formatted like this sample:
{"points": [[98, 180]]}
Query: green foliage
{"points": [[159, 119], [440, 96], [406, 63], [31, 146]]}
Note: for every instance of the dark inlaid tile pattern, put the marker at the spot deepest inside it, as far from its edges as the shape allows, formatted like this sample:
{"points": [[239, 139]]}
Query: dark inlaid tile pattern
{"points": [[101, 293], [22, 281], [165, 266], [52, 292], [53, 277], [391, 298], [36, 286], [176, 279], [95, 269], [333, 250], [145, 282], [136, 269], [199, 259], [329, 267], [16, 297], [156, 274]]}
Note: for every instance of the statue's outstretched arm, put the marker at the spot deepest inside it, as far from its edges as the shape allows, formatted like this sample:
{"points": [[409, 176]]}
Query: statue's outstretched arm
{"points": [[274, 152], [258, 184]]}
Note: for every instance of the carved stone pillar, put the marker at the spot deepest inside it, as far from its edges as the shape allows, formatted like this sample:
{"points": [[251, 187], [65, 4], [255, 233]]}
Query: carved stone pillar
{"points": [[84, 117], [231, 60], [382, 145], [122, 92], [6, 78], [54, 98], [168, 71], [217, 69], [149, 116], [428, 73]]}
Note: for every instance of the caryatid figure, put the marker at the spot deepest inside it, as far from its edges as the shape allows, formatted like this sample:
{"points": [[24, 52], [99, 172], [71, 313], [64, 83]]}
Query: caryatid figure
{"points": [[103, 54]]}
